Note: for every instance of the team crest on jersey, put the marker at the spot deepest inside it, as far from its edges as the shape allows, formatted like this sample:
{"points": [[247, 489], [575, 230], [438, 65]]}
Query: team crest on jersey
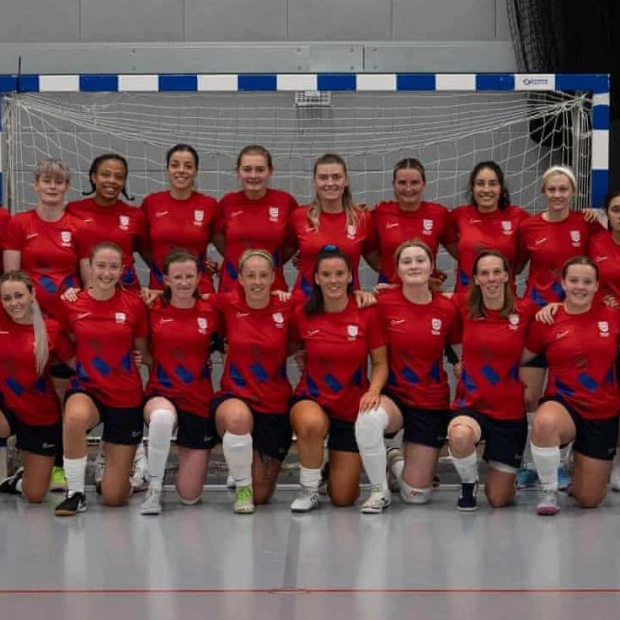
{"points": [[575, 237], [274, 213], [513, 321], [507, 227], [278, 319], [352, 331], [199, 216], [435, 327], [65, 238], [351, 231], [202, 324], [123, 221], [120, 317], [603, 328], [427, 226]]}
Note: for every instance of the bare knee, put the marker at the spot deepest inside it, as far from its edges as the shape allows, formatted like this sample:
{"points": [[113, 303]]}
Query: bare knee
{"points": [[498, 498], [588, 498], [310, 427], [262, 493], [344, 497], [34, 497]]}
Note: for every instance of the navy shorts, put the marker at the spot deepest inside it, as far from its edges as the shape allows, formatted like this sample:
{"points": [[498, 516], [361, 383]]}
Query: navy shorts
{"points": [[594, 438], [504, 439], [427, 427], [61, 371], [538, 361], [196, 432], [272, 435], [41, 440], [121, 425]]}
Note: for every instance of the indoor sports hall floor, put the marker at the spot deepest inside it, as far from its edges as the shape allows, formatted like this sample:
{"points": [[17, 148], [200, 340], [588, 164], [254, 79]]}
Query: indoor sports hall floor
{"points": [[205, 562]]}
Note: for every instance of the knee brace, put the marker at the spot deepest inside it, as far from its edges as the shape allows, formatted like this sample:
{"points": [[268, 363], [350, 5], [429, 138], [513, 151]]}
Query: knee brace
{"points": [[414, 495]]}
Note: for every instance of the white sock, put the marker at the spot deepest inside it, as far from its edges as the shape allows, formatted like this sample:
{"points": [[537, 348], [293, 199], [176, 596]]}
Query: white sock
{"points": [[309, 478], [397, 468], [467, 468], [75, 472], [547, 461], [19, 485], [140, 453], [369, 430], [160, 433], [238, 454]]}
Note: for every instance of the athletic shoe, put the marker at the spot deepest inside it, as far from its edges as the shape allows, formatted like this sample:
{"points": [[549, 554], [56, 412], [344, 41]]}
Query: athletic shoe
{"points": [[467, 501], [9, 485], [140, 475], [230, 482], [72, 504], [244, 504], [564, 478], [526, 478], [547, 503], [378, 501], [152, 504], [324, 479], [58, 482], [99, 467], [394, 455], [307, 500]]}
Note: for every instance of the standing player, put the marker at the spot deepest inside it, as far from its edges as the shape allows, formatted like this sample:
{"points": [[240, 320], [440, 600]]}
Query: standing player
{"points": [[331, 219], [407, 217], [180, 217], [338, 337], [253, 218], [30, 406], [179, 388], [489, 394], [419, 325], [488, 222], [109, 325], [581, 400], [251, 408]]}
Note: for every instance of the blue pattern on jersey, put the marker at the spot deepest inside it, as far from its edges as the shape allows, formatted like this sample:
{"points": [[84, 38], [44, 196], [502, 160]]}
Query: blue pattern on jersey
{"points": [[205, 373], [41, 385], [435, 372], [48, 285], [556, 287], [490, 375], [236, 376], [162, 377], [562, 388], [514, 372], [127, 277], [15, 386], [100, 366], [306, 287], [259, 372], [332, 383], [127, 360], [382, 279], [157, 273], [276, 259], [313, 388], [391, 377], [81, 373], [611, 373], [185, 375], [468, 382], [463, 278], [588, 382], [356, 379], [231, 271], [282, 371], [68, 282], [409, 376], [537, 297]]}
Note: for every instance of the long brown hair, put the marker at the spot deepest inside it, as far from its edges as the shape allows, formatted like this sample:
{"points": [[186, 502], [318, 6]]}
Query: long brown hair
{"points": [[475, 302]]}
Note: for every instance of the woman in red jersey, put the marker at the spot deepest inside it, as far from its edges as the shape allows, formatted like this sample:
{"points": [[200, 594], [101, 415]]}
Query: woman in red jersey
{"points": [[407, 217], [489, 394], [5, 217], [419, 324], [30, 408], [581, 401], [179, 389], [488, 222], [105, 218], [338, 338], [331, 218], [180, 217], [109, 325], [251, 408], [254, 217]]}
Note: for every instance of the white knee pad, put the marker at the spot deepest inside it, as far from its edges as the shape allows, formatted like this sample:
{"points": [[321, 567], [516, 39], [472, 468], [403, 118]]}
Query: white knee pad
{"points": [[369, 429], [190, 502], [415, 495]]}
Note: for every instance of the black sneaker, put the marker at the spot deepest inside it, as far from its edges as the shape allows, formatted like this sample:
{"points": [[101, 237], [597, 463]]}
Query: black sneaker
{"points": [[9, 485], [72, 504], [467, 500]]}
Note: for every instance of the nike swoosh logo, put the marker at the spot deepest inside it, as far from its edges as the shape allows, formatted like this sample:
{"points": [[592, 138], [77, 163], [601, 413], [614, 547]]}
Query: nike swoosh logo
{"points": [[236, 213], [539, 241], [88, 219], [600, 259], [397, 321], [475, 221], [562, 334], [163, 320], [161, 213], [313, 332], [392, 225], [32, 236], [83, 315], [242, 315]]}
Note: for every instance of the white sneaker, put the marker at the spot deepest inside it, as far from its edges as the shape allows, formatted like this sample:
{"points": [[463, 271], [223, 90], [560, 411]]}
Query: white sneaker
{"points": [[152, 504], [614, 479], [378, 501], [140, 475], [548, 504], [230, 482], [395, 460], [307, 500]]}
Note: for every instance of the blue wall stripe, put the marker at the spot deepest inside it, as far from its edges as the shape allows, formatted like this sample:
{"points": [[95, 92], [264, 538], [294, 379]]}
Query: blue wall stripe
{"points": [[415, 81], [265, 81], [336, 81], [7, 84], [171, 83], [598, 83], [495, 81], [601, 117], [28, 84], [98, 83], [600, 183]]}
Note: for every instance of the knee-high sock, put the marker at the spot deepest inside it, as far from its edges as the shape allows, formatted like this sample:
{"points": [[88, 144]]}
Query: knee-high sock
{"points": [[369, 430], [547, 461], [467, 468], [160, 433], [238, 454], [75, 472]]}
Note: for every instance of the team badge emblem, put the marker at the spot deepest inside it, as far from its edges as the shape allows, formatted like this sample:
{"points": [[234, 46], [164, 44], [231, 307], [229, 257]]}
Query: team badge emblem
{"points": [[199, 216], [435, 326], [123, 220], [352, 331], [274, 212]]}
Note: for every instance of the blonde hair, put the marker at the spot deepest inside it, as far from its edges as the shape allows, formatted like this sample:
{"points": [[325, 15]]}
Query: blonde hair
{"points": [[52, 168], [41, 340], [314, 209], [255, 252], [556, 171]]}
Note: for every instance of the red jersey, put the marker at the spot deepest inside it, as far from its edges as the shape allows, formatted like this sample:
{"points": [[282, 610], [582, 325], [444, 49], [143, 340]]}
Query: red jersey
{"points": [[49, 255], [474, 231], [548, 245], [354, 240], [173, 224], [180, 340], [118, 223], [492, 348], [104, 333], [605, 252], [5, 216], [337, 345], [30, 396], [581, 353], [255, 368], [253, 224], [417, 336], [394, 225]]}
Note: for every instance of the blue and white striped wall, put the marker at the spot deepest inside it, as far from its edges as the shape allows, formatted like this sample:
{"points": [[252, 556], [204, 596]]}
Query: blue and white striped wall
{"points": [[598, 84]]}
